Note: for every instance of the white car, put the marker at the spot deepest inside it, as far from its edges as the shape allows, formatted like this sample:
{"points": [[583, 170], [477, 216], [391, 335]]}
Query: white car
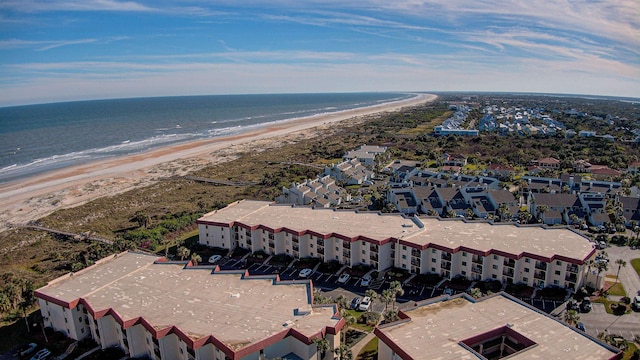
{"points": [[366, 280], [344, 278], [365, 304], [42, 354], [214, 258], [305, 273]]}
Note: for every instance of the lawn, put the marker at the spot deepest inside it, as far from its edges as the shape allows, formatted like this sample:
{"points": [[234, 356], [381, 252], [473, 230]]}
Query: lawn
{"points": [[629, 352], [362, 327], [615, 289], [607, 305], [636, 265], [369, 351]]}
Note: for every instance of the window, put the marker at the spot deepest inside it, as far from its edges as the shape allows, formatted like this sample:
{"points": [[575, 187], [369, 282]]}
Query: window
{"points": [[464, 254], [337, 249], [495, 267], [464, 263], [404, 247], [364, 252], [527, 260], [432, 260], [433, 269], [494, 276], [404, 266], [311, 246], [526, 269], [495, 257], [558, 262], [404, 256], [555, 282], [463, 272], [433, 251], [557, 272], [80, 319], [525, 279]]}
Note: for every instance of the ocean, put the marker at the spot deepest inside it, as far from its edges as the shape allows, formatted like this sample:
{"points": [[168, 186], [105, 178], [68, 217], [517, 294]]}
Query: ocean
{"points": [[39, 138]]}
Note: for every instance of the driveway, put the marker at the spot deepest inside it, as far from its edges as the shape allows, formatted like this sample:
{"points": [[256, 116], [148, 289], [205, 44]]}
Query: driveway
{"points": [[597, 321]]}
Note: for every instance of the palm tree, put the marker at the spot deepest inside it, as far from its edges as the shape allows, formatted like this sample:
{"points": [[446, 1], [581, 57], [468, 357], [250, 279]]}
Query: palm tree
{"points": [[396, 290], [621, 263], [195, 259], [342, 302], [183, 252], [322, 345], [343, 352], [541, 209], [571, 317], [386, 297]]}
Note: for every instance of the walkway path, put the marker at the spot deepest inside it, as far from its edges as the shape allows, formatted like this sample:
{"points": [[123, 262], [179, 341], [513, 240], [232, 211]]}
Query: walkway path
{"points": [[355, 349]]}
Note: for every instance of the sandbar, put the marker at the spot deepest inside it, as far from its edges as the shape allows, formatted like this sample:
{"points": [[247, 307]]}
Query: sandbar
{"points": [[32, 198]]}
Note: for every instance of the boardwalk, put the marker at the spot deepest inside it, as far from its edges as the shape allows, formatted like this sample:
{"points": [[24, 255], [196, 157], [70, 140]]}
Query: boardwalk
{"points": [[83, 236], [219, 182]]}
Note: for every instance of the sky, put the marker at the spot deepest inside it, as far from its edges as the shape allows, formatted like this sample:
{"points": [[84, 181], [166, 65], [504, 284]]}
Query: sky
{"points": [[64, 50]]}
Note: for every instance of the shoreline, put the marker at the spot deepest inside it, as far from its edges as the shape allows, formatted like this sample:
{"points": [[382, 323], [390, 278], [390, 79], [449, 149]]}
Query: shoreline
{"points": [[34, 197]]}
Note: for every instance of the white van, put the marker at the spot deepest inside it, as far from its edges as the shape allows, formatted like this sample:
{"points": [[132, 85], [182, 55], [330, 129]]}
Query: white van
{"points": [[365, 304]]}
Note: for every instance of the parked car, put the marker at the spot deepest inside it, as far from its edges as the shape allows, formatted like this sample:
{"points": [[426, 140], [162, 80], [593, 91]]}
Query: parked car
{"points": [[580, 326], [602, 245], [42, 354], [365, 304], [344, 278], [355, 303], [572, 305], [366, 280], [305, 273], [585, 306], [27, 349], [635, 305], [214, 258], [448, 291]]}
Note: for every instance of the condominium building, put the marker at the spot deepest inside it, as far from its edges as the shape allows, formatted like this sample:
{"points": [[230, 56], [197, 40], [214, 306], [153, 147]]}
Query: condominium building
{"points": [[494, 327], [172, 310], [534, 255]]}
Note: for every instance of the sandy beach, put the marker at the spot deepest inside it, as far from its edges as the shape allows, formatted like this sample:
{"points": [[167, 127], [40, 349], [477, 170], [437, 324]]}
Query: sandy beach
{"points": [[32, 198]]}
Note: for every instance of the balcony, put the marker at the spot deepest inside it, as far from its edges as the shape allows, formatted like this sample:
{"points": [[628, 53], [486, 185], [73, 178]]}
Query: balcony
{"points": [[294, 239], [540, 275], [321, 250], [272, 244], [541, 265], [571, 278], [320, 242], [346, 253], [509, 262], [476, 269], [507, 272], [248, 241], [346, 245], [295, 248], [477, 259], [415, 261], [415, 252], [445, 265], [373, 257], [572, 268], [445, 256], [373, 248]]}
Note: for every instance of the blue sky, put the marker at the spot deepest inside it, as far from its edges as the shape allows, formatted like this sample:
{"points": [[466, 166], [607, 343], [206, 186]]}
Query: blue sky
{"points": [[59, 50]]}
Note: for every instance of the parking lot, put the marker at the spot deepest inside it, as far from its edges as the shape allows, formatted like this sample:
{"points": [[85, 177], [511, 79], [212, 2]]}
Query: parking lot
{"points": [[595, 321]]}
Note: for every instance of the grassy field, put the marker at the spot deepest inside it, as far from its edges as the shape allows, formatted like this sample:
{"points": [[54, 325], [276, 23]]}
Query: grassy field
{"points": [[615, 289]]}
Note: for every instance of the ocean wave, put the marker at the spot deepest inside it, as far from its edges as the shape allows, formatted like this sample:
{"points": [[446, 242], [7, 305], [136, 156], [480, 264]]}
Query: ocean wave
{"points": [[75, 157]]}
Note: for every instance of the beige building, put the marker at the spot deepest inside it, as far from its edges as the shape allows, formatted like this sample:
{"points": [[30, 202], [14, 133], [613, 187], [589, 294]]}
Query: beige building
{"points": [[533, 255], [171, 310], [495, 327]]}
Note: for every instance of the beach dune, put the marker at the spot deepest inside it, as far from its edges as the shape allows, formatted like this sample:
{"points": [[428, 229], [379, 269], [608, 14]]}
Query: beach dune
{"points": [[32, 198]]}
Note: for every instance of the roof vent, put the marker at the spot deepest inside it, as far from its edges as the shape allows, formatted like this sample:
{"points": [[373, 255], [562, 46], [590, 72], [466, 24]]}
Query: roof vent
{"points": [[235, 295]]}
